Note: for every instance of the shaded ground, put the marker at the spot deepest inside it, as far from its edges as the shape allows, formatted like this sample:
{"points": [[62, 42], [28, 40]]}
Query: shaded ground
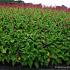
{"points": [[18, 66]]}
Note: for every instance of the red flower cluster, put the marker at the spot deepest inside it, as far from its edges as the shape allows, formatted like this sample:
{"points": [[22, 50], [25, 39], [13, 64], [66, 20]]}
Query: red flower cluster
{"points": [[30, 5], [20, 5]]}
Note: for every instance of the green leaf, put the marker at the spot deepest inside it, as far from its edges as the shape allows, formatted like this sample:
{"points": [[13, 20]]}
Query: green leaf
{"points": [[4, 50]]}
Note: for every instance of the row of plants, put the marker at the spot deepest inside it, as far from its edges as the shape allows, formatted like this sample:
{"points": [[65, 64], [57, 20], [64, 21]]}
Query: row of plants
{"points": [[6, 0], [22, 4], [34, 36]]}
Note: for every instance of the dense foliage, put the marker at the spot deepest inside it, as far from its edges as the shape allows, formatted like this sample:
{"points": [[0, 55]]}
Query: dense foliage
{"points": [[34, 36], [6, 0]]}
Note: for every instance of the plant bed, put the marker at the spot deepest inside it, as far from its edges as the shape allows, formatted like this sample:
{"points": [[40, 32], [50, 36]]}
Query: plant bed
{"points": [[34, 37]]}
